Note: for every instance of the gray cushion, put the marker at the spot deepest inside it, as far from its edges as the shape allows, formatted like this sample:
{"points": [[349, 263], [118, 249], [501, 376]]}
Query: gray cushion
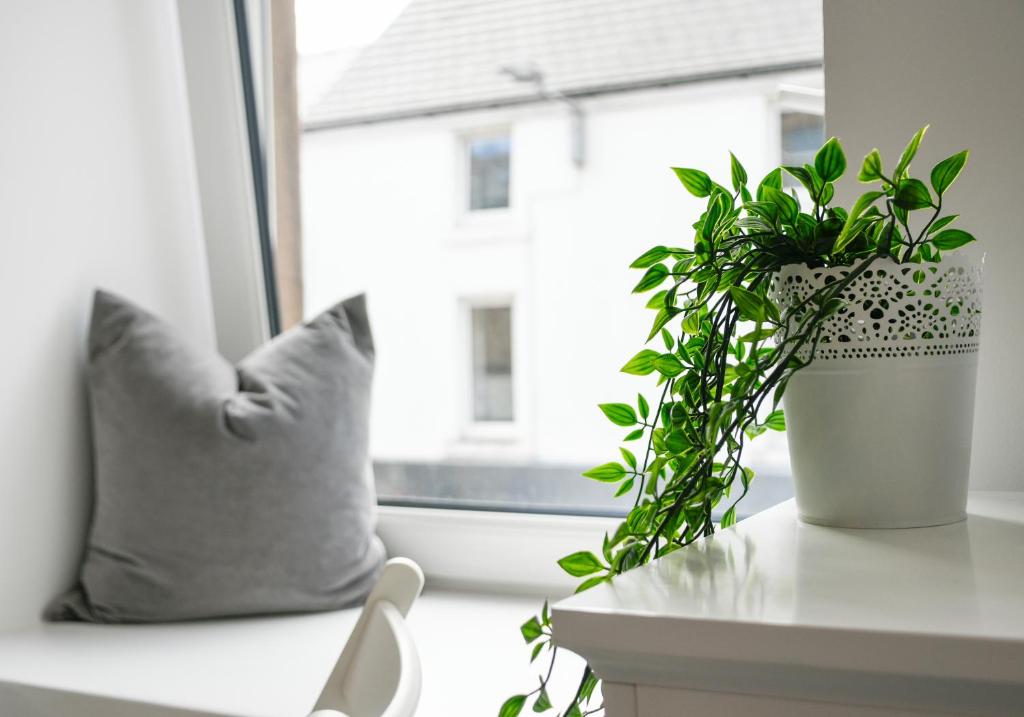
{"points": [[227, 490]]}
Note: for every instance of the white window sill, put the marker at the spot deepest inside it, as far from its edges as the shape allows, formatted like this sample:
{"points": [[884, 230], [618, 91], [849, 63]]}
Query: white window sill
{"points": [[514, 553]]}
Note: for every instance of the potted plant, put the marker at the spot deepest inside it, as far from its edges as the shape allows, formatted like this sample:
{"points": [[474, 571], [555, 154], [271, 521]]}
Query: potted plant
{"points": [[868, 327]]}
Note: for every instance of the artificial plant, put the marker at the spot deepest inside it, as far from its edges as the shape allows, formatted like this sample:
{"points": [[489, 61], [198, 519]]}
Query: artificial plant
{"points": [[728, 351]]}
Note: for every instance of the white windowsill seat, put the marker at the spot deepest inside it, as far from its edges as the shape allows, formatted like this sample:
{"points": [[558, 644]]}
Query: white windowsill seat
{"points": [[252, 667]]}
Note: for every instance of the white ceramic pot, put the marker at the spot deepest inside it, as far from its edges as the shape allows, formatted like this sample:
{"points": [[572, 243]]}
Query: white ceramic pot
{"points": [[879, 424]]}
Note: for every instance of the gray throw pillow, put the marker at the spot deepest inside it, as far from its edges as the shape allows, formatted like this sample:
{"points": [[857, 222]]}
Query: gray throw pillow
{"points": [[227, 490]]}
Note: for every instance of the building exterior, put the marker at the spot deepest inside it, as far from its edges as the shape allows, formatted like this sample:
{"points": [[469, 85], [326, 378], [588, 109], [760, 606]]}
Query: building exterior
{"points": [[486, 171]]}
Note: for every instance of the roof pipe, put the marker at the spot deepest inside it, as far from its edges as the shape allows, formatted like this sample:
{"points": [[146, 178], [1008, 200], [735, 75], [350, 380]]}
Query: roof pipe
{"points": [[531, 74]]}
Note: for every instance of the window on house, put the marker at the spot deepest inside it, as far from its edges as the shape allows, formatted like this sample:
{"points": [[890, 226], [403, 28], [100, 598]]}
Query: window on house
{"points": [[491, 341], [405, 158], [802, 134], [488, 172]]}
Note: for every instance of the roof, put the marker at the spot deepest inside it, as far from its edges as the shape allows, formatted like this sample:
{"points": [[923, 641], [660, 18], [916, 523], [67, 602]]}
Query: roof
{"points": [[445, 55]]}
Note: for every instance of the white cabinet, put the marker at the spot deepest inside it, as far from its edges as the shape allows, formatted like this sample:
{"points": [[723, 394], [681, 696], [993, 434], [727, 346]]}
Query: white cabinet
{"points": [[775, 617]]}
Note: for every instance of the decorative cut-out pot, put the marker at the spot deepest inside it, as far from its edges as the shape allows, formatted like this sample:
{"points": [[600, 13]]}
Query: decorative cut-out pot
{"points": [[879, 424]]}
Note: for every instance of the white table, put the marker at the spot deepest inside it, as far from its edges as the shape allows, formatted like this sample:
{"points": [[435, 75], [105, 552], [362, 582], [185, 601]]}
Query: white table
{"points": [[775, 617]]}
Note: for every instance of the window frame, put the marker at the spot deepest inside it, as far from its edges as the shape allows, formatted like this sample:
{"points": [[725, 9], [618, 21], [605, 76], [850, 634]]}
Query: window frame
{"points": [[477, 375], [478, 437], [465, 138], [794, 98], [534, 534]]}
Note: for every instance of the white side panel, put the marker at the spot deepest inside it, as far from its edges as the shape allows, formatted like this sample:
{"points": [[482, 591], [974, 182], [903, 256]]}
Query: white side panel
{"points": [[892, 66], [97, 189], [664, 702]]}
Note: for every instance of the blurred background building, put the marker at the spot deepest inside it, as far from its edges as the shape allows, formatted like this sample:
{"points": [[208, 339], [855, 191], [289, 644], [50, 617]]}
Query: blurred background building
{"points": [[486, 171]]}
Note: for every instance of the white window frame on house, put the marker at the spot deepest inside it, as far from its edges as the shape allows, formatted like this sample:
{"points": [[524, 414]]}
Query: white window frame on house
{"points": [[464, 139], [795, 98], [486, 437]]}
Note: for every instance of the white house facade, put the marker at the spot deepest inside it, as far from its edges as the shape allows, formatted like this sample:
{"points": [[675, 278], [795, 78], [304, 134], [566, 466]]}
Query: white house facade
{"points": [[494, 240]]}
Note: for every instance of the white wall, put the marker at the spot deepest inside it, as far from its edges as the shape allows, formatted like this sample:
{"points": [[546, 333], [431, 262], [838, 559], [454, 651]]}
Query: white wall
{"points": [[97, 188], [894, 65], [382, 212]]}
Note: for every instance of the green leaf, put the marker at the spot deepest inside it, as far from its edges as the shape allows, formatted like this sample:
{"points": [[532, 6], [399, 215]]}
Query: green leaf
{"points": [[912, 194], [776, 420], [657, 300], [908, 154], [663, 317], [641, 364], [628, 456], [739, 174], [830, 161], [543, 702], [939, 224], [696, 182], [621, 414], [871, 169], [591, 582], [650, 257], [759, 335], [581, 564], [773, 179], [641, 404], [624, 487], [654, 276], [677, 442], [531, 630], [729, 517], [513, 706], [667, 339], [607, 473], [746, 477], [668, 365], [804, 176], [788, 207], [847, 234], [691, 324], [536, 650], [945, 172], [751, 306], [634, 435], [951, 239], [826, 194]]}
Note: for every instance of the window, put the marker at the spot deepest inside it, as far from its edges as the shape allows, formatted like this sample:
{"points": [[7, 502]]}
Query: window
{"points": [[488, 172], [802, 134], [491, 341], [411, 111]]}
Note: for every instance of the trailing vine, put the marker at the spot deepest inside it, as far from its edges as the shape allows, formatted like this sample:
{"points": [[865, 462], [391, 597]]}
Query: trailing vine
{"points": [[728, 352]]}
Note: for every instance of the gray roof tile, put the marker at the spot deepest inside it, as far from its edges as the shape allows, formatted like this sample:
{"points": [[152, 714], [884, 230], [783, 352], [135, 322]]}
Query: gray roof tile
{"points": [[444, 55]]}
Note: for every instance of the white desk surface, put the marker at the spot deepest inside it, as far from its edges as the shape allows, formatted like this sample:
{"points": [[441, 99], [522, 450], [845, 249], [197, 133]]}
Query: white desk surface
{"points": [[778, 606]]}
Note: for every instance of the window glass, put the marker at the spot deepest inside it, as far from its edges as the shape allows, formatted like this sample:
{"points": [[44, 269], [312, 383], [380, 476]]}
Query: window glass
{"points": [[488, 172], [486, 404], [802, 134], [491, 329]]}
